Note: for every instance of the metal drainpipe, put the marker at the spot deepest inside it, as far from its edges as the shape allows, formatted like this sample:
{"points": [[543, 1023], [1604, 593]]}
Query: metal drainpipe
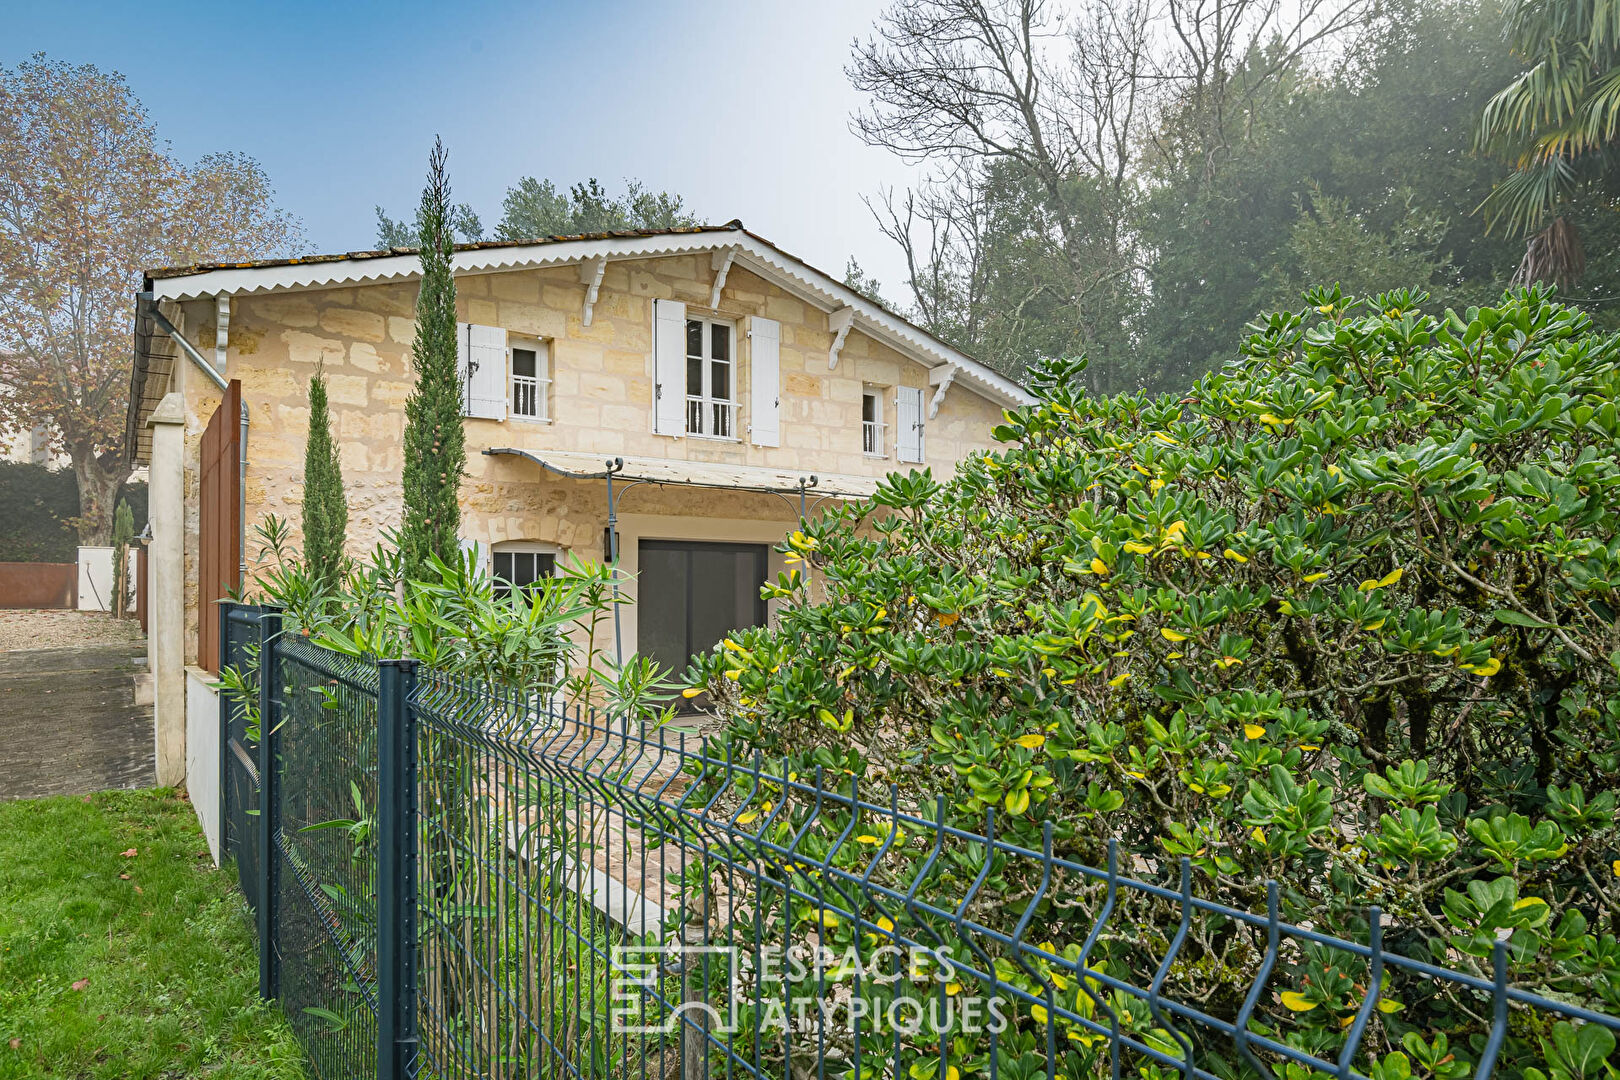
{"points": [[241, 501], [222, 345], [613, 567], [185, 346]]}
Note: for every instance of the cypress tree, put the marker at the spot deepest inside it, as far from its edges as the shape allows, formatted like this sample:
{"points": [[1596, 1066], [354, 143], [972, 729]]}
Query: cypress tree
{"points": [[123, 532], [326, 511], [435, 446]]}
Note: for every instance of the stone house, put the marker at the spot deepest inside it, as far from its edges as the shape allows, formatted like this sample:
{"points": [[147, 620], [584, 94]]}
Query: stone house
{"points": [[709, 372]]}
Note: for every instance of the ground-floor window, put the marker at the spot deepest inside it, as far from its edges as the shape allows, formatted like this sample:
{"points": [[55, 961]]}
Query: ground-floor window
{"points": [[691, 594], [519, 566]]}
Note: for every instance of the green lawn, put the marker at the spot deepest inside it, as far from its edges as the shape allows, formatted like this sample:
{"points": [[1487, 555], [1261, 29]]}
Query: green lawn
{"points": [[116, 965]]}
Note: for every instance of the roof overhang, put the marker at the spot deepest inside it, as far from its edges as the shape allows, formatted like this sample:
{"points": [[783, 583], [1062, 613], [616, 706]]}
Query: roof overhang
{"points": [[151, 376], [754, 253], [574, 465]]}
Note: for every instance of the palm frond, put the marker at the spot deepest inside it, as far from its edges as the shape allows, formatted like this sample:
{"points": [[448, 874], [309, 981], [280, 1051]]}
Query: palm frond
{"points": [[1529, 195], [1548, 94]]}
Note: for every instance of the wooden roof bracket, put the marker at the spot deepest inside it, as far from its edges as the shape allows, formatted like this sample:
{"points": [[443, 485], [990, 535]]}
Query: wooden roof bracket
{"points": [[940, 378], [590, 276], [721, 262], [839, 322]]}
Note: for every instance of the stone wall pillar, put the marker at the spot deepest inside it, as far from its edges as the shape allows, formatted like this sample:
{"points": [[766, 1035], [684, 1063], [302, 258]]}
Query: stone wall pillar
{"points": [[166, 590]]}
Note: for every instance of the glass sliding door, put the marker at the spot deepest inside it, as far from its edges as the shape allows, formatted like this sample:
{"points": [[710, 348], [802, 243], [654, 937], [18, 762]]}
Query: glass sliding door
{"points": [[691, 594]]}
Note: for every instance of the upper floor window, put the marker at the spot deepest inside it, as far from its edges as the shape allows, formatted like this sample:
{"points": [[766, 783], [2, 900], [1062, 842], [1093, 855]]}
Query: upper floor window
{"points": [[531, 378], [872, 425], [711, 385], [521, 566]]}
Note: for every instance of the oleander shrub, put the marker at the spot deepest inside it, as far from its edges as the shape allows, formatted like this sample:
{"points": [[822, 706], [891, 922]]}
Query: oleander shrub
{"points": [[1340, 616]]}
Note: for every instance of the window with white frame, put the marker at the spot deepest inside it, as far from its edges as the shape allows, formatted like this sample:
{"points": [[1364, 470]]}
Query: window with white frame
{"points": [[873, 443], [711, 383], [521, 565], [531, 378]]}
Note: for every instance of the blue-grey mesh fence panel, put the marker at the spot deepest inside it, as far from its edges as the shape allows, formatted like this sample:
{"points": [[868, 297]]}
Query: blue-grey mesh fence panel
{"points": [[565, 857], [239, 773], [325, 931], [598, 900]]}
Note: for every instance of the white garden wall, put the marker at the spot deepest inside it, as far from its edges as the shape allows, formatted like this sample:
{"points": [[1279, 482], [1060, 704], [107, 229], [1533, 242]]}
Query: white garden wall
{"points": [[202, 753]]}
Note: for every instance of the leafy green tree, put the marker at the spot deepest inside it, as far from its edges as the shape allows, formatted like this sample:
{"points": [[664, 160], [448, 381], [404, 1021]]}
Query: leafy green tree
{"points": [[435, 444], [326, 507], [91, 198], [398, 233], [1386, 138], [1340, 616], [1330, 242], [858, 279], [536, 208]]}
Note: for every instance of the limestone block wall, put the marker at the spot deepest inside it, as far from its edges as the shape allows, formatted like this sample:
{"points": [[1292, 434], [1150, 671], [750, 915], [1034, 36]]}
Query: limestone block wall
{"points": [[601, 400]]}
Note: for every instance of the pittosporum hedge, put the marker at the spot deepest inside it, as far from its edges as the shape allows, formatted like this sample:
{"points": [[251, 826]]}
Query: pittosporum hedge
{"points": [[1341, 616]]}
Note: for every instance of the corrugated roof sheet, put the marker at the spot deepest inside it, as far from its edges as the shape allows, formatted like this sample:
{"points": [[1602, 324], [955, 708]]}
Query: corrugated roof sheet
{"points": [[162, 272]]}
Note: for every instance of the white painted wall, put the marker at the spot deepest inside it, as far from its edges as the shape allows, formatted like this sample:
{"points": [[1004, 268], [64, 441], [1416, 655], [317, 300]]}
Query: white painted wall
{"points": [[95, 578], [202, 754]]}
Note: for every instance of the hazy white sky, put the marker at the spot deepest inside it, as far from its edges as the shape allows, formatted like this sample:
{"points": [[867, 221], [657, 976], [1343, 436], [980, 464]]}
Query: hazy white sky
{"points": [[743, 108]]}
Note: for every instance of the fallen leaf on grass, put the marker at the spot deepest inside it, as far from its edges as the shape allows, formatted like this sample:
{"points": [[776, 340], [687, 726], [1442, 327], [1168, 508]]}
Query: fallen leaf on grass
{"points": [[138, 889], [130, 854], [16, 1044], [123, 877], [81, 984]]}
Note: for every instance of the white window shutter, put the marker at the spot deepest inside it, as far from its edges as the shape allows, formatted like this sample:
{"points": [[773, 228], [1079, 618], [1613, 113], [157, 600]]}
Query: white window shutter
{"points": [[669, 367], [486, 383], [908, 435], [463, 356], [765, 378]]}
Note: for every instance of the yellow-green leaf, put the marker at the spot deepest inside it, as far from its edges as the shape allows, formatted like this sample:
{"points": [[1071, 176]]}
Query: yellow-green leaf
{"points": [[1388, 579], [1295, 1001]]}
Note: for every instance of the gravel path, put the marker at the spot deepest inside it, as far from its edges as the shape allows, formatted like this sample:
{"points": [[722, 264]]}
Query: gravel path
{"points": [[26, 629], [69, 722]]}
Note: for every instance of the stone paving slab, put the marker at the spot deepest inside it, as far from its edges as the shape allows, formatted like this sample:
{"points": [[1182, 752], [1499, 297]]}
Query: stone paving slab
{"points": [[69, 722]]}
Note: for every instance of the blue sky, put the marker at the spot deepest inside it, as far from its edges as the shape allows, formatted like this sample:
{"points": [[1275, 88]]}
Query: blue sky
{"points": [[743, 108]]}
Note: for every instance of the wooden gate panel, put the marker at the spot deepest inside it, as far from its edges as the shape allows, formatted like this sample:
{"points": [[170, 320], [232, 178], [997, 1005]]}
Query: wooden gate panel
{"points": [[220, 520]]}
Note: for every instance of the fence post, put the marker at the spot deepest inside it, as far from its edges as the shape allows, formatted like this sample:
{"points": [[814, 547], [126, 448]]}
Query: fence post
{"points": [[269, 796], [396, 870], [695, 1023]]}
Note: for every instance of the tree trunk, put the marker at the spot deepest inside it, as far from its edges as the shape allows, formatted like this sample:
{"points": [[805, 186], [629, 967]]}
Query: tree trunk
{"points": [[100, 477]]}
